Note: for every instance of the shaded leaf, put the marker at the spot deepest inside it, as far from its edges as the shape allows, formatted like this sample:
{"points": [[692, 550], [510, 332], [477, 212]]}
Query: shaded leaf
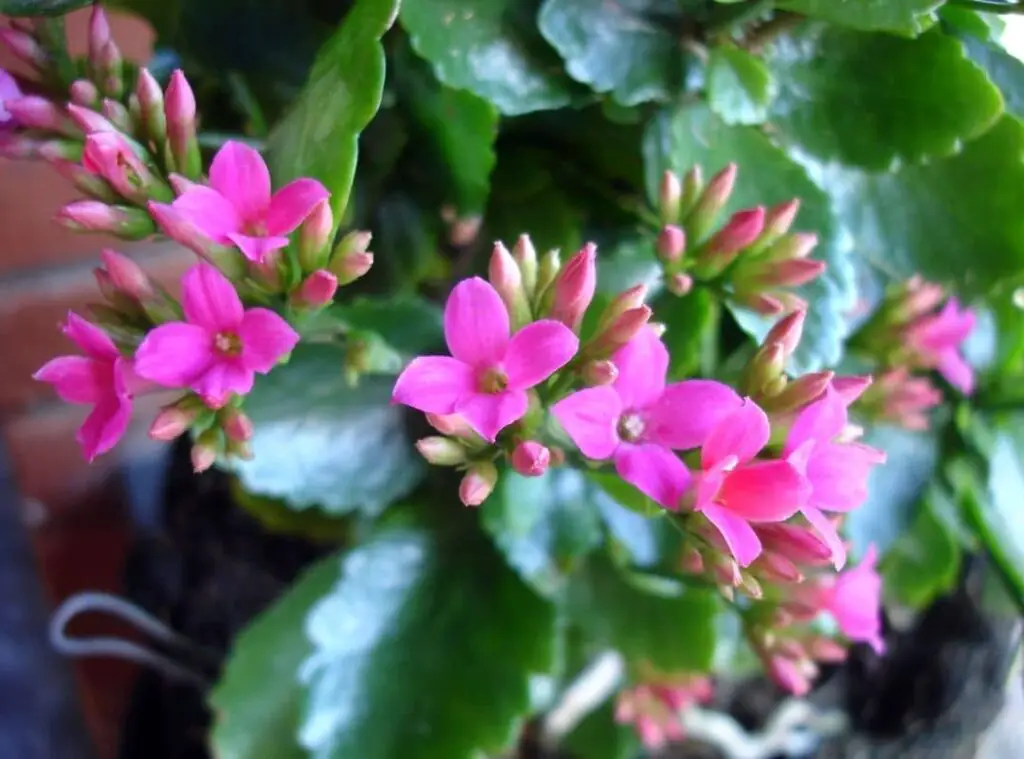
{"points": [[1005, 71], [691, 333], [907, 17], [925, 561], [599, 736], [740, 88]]}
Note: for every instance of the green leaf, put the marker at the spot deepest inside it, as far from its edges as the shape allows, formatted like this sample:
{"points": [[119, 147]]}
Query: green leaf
{"points": [[320, 135], [894, 488], [425, 648], [460, 127], [672, 629], [1005, 71], [874, 100], [491, 48], [408, 323], [625, 494], [740, 88], [925, 561], [40, 7], [691, 332], [543, 525], [1000, 521], [599, 736], [907, 17], [956, 220], [258, 699], [319, 442], [678, 139], [627, 48]]}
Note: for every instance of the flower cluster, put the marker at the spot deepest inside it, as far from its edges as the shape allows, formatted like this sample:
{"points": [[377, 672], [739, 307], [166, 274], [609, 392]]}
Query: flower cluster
{"points": [[654, 707], [754, 258], [135, 153]]}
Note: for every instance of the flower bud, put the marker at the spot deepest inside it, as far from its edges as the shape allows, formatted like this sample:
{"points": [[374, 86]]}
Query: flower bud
{"points": [[705, 212], [692, 562], [441, 451], [574, 288], [670, 194], [18, 146], [180, 184], [115, 112], [35, 112], [180, 114], [766, 366], [317, 289], [791, 273], [693, 186], [84, 94], [88, 120], [109, 155], [799, 392], [151, 107], [761, 303], [126, 275], [602, 372], [85, 181], [739, 232], [99, 35], [798, 544], [550, 265], [504, 274], [204, 453], [777, 568], [787, 332], [531, 459], [789, 247], [315, 236], [58, 150], [525, 256], [237, 425], [111, 70], [777, 222], [92, 216], [478, 483], [449, 424], [679, 284], [463, 230], [788, 676], [621, 331], [727, 571], [751, 586], [352, 267], [172, 422], [671, 244], [625, 301], [25, 48]]}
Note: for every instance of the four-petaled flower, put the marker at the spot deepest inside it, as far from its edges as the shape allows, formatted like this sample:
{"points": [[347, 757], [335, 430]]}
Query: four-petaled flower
{"points": [[102, 378], [638, 421], [220, 346], [486, 378], [854, 598], [238, 208], [937, 339]]}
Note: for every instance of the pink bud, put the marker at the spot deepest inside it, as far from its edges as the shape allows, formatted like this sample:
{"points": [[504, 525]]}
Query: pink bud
{"points": [[318, 289], [34, 112], [762, 303], [531, 459], [109, 155], [921, 297], [504, 274], [777, 568], [170, 423], [450, 424], [151, 106], [126, 275], [787, 332], [740, 231], [203, 457], [801, 391], [84, 93], [441, 451], [180, 106], [625, 301], [237, 426], [791, 246], [787, 675], [99, 32], [352, 267], [106, 286], [602, 372], [778, 220], [701, 218], [24, 47], [88, 120], [671, 244], [478, 483], [315, 235], [851, 387], [727, 571], [692, 561], [94, 216], [574, 288], [115, 112], [622, 330], [798, 544], [791, 273]]}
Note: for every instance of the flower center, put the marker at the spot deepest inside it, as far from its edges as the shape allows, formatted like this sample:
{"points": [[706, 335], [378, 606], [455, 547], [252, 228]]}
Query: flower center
{"points": [[256, 228], [493, 380], [631, 427], [227, 344]]}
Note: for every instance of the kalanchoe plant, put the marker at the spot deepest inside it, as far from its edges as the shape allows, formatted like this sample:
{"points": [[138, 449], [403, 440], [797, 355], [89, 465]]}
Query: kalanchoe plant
{"points": [[676, 340]]}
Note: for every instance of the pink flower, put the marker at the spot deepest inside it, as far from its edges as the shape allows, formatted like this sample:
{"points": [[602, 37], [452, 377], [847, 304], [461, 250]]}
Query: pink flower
{"points": [[486, 378], [937, 338], [855, 601], [838, 472], [654, 709], [238, 208], [734, 490], [219, 347], [102, 378], [638, 421], [9, 90]]}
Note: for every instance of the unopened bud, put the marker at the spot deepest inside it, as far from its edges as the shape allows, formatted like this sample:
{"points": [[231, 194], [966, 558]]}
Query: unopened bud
{"points": [[88, 120], [478, 483], [504, 274], [705, 212], [106, 286], [751, 586], [181, 184], [450, 424], [574, 288], [670, 194], [84, 94], [317, 290], [625, 301], [621, 331], [787, 332], [777, 222], [35, 112], [85, 181], [761, 303], [172, 422], [671, 244], [237, 425], [441, 451], [798, 544], [789, 247], [56, 150], [658, 328], [93, 216], [18, 146], [801, 392], [115, 112], [126, 275], [727, 571], [739, 232], [767, 365], [315, 236], [99, 35], [151, 107], [693, 186], [602, 372], [787, 675], [205, 450], [679, 284], [791, 273], [531, 459], [550, 265], [111, 70], [352, 267], [111, 156], [777, 568], [24, 47], [692, 561], [525, 256], [180, 113]]}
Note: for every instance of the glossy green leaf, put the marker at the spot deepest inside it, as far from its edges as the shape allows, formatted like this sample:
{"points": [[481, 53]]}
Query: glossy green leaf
{"points": [[894, 488], [408, 323], [320, 135], [543, 525], [907, 17], [955, 220], [874, 100], [1005, 71], [740, 88], [1000, 519], [258, 700], [925, 561], [459, 126], [40, 7], [691, 332], [491, 48], [319, 442], [425, 648], [677, 140], [627, 48], [672, 629], [599, 736]]}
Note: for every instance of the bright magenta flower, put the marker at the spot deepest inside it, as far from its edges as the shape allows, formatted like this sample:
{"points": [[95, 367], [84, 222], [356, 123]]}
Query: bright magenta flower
{"points": [[838, 472], [238, 208], [102, 378], [220, 346], [9, 90], [638, 421], [855, 601], [486, 378], [937, 338], [734, 490]]}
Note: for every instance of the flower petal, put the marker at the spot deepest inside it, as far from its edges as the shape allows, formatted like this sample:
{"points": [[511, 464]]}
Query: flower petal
{"points": [[210, 212], [743, 542], [256, 248], [78, 379], [821, 421], [104, 427], [174, 355], [687, 412], [210, 300], [956, 371], [537, 351], [91, 339], [828, 532], [765, 491], [222, 379], [266, 338], [490, 413], [589, 417], [292, 204], [239, 173], [740, 433], [839, 475], [654, 471], [642, 365], [433, 384], [476, 323]]}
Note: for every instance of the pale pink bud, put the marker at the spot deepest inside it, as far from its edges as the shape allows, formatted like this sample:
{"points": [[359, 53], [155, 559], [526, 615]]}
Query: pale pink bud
{"points": [[88, 120], [99, 33], [671, 243], [679, 284], [111, 70], [109, 155], [713, 200], [777, 568], [203, 457], [525, 256], [602, 372], [778, 220], [798, 544], [920, 298], [84, 93], [787, 675], [791, 273], [787, 332], [464, 230], [693, 186], [441, 451], [531, 459], [762, 303], [352, 267], [792, 246], [94, 216], [670, 194], [450, 424], [34, 112], [801, 391], [739, 232], [171, 422], [622, 330], [574, 288], [692, 561], [237, 426], [658, 328], [315, 236], [106, 286], [751, 586], [318, 289], [478, 483], [126, 275], [24, 47], [625, 301], [504, 274]]}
